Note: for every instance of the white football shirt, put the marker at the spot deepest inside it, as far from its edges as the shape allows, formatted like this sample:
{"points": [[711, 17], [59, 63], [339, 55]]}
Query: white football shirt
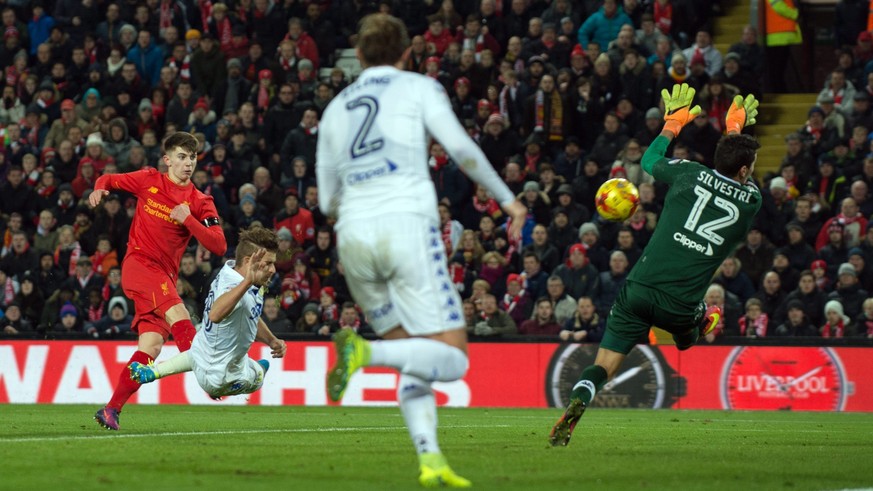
{"points": [[220, 349], [373, 147]]}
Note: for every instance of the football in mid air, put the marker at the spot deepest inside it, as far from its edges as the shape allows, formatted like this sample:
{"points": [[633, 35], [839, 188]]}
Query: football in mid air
{"points": [[617, 199]]}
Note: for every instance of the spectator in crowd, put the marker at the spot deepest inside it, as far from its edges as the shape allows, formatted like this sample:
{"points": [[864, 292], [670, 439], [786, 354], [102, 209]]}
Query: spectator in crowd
{"points": [[754, 324], [543, 322], [610, 282], [586, 325], [836, 322], [603, 26], [493, 322], [848, 291], [13, 323], [796, 324], [563, 305], [732, 277]]}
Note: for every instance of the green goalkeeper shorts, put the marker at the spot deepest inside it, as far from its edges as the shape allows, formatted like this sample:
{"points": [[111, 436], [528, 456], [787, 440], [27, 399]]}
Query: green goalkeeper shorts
{"points": [[638, 308]]}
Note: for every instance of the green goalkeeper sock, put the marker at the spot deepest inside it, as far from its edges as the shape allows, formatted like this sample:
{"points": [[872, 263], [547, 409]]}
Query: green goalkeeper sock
{"points": [[589, 383]]}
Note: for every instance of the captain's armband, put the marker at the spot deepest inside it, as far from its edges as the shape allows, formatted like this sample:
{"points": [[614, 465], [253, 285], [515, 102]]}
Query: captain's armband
{"points": [[208, 222]]}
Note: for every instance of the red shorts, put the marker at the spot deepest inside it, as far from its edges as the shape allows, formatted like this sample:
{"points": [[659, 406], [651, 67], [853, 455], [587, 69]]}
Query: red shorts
{"points": [[153, 292]]}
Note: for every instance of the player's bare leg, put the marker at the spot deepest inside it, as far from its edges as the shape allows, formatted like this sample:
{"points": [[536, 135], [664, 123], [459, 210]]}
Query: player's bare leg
{"points": [[605, 366], [421, 361]]}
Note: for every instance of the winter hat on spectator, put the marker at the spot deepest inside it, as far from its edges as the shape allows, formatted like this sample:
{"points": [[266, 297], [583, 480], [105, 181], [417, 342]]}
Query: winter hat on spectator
{"points": [[565, 20], [793, 225], [234, 63], [69, 309], [284, 234], [432, 59], [201, 104], [310, 307], [782, 251], [94, 139], [65, 187], [825, 99], [118, 302], [836, 306], [818, 264], [329, 291], [795, 304], [462, 81], [846, 268], [68, 105], [514, 278], [835, 227], [814, 110], [531, 186], [92, 91], [826, 159], [247, 199], [697, 59], [301, 258], [589, 227], [653, 113], [861, 96], [483, 103], [11, 31], [578, 248], [856, 251], [265, 74], [733, 55], [536, 59], [47, 84], [577, 51], [565, 189], [192, 34], [145, 104], [560, 210], [778, 183], [305, 63]]}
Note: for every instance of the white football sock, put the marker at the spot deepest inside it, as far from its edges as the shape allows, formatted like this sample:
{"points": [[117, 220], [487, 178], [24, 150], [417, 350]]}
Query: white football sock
{"points": [[418, 405], [177, 364], [424, 358]]}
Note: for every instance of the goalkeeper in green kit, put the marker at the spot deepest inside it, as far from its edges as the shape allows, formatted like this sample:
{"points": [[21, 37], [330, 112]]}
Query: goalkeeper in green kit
{"points": [[706, 214]]}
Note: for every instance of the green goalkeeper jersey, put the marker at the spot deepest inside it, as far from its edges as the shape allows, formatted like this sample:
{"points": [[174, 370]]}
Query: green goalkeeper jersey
{"points": [[705, 216]]}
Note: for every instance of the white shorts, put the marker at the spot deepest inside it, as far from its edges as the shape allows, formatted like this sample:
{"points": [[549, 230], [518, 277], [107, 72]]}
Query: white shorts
{"points": [[397, 272], [219, 383]]}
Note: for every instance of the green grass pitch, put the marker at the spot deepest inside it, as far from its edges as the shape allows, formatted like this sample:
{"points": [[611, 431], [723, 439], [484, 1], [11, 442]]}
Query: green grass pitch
{"points": [[299, 448]]}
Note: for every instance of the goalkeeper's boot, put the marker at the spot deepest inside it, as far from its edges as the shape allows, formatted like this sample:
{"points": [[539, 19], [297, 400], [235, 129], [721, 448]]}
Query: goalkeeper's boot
{"points": [[563, 429], [436, 473], [143, 374], [710, 320], [107, 418], [352, 353]]}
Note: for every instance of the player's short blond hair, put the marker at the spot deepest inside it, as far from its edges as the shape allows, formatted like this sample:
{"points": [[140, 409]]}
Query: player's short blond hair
{"points": [[382, 39], [254, 238]]}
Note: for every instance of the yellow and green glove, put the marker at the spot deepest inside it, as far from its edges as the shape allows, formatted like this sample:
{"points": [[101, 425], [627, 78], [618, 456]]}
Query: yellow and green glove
{"points": [[742, 113], [678, 107]]}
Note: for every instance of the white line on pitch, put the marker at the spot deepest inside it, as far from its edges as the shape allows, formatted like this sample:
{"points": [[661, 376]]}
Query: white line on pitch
{"points": [[226, 432]]}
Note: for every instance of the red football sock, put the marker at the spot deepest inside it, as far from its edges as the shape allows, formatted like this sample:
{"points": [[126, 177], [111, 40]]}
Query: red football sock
{"points": [[183, 333], [126, 387]]}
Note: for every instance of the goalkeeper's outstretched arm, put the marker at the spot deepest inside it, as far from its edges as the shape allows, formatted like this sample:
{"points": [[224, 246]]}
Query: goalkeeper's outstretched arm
{"points": [[679, 112]]}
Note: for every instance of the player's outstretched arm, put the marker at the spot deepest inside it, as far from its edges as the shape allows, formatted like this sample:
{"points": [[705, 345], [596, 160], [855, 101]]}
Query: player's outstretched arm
{"points": [[227, 301], [742, 113], [266, 336], [96, 197], [679, 111]]}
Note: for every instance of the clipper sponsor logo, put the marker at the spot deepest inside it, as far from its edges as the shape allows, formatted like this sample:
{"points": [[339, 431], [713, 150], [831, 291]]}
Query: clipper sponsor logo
{"points": [[691, 244], [358, 177]]}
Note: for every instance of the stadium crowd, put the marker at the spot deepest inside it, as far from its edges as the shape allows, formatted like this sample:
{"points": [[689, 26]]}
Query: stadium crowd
{"points": [[561, 95]]}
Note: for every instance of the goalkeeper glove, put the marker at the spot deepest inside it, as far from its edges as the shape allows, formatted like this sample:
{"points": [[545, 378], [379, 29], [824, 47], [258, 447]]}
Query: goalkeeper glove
{"points": [[678, 107], [741, 113]]}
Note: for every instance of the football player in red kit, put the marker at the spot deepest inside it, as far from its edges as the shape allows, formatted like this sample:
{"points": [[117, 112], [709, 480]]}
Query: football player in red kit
{"points": [[169, 210]]}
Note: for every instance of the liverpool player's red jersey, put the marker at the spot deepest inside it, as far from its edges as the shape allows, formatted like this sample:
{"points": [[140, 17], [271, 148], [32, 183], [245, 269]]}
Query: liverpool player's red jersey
{"points": [[153, 234]]}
